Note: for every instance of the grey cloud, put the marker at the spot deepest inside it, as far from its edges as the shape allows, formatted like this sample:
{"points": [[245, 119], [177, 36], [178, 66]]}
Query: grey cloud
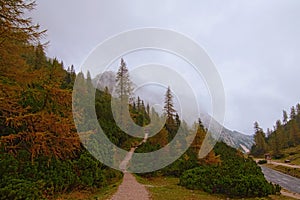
{"points": [[254, 44]]}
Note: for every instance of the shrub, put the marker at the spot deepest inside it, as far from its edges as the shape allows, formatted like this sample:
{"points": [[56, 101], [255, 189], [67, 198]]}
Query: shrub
{"points": [[16, 189], [235, 177], [261, 162], [278, 156], [22, 179]]}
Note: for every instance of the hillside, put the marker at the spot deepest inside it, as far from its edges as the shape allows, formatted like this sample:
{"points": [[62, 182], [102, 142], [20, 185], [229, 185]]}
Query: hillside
{"points": [[46, 124], [284, 135], [232, 138]]}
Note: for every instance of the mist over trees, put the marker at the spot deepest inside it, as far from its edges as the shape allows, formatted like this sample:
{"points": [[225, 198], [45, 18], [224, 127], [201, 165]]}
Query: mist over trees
{"points": [[41, 154]]}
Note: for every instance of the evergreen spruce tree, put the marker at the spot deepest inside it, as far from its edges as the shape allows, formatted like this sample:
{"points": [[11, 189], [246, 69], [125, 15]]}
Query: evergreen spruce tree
{"points": [[169, 107], [124, 91], [123, 82], [260, 146], [170, 113], [293, 113], [285, 117], [199, 137]]}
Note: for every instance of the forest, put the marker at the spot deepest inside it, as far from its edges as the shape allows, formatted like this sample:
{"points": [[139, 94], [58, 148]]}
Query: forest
{"points": [[285, 134], [42, 155]]}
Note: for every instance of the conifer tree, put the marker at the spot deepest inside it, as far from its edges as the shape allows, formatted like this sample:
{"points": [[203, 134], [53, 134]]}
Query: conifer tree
{"points": [[293, 113], [16, 33], [169, 107], [280, 138], [199, 137], [260, 146], [298, 109], [124, 91], [40, 57], [295, 133], [285, 134], [13, 24], [123, 82], [148, 109], [138, 104], [285, 117], [177, 120]]}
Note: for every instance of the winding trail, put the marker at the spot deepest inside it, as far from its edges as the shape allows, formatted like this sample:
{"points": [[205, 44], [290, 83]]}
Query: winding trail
{"points": [[130, 189]]}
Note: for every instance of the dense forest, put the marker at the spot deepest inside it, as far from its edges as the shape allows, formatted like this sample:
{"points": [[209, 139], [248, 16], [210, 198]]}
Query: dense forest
{"points": [[285, 134], [41, 154]]}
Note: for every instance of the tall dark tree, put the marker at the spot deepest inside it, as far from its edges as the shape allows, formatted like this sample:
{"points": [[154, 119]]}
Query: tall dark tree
{"points": [[293, 113], [139, 103], [298, 109], [199, 137], [123, 82], [177, 120], [284, 117], [280, 138], [260, 146], [148, 109], [124, 91], [169, 107]]}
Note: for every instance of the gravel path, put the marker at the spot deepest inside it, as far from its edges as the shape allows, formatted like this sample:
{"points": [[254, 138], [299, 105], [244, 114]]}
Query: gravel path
{"points": [[130, 189]]}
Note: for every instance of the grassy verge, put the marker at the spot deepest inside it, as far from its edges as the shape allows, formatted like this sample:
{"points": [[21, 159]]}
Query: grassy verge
{"points": [[98, 194], [292, 154], [295, 172], [167, 188]]}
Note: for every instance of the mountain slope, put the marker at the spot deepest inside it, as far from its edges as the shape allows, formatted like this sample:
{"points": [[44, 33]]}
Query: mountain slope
{"points": [[234, 139], [106, 79]]}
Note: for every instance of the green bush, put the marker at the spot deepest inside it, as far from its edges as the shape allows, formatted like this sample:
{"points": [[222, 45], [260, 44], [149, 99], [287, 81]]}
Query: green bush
{"points": [[279, 156], [261, 162], [15, 189], [22, 179], [89, 171], [235, 177]]}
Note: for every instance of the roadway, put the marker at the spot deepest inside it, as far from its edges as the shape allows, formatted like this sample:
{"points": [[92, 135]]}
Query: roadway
{"points": [[288, 182]]}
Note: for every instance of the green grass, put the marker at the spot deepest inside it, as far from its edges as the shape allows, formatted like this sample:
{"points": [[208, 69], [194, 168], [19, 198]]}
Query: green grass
{"points": [[292, 154], [167, 188], [98, 194]]}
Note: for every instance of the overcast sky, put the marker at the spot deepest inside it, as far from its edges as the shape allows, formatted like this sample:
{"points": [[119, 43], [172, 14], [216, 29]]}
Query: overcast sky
{"points": [[254, 44]]}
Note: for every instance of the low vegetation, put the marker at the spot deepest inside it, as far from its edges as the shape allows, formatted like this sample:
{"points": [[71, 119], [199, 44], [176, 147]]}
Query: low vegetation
{"points": [[292, 154], [168, 188], [236, 176], [20, 179], [41, 155], [261, 162], [103, 193]]}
